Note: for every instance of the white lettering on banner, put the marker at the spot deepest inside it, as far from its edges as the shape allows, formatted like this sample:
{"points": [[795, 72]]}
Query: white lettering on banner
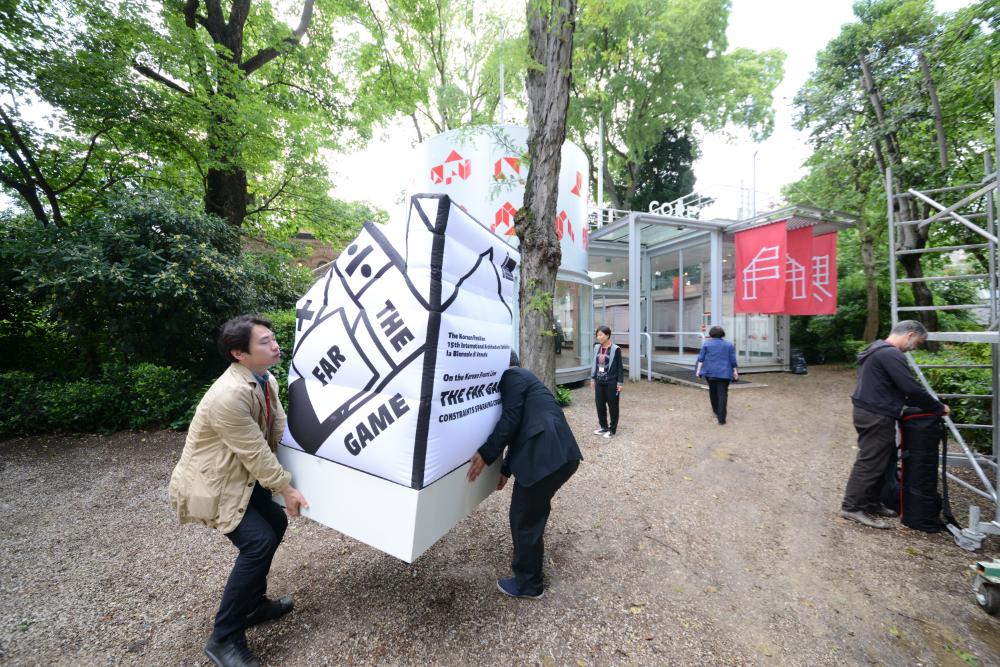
{"points": [[764, 266], [821, 275], [676, 208], [797, 277]]}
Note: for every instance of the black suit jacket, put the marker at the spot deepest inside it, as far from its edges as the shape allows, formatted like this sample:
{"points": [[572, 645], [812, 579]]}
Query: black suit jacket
{"points": [[533, 427]]}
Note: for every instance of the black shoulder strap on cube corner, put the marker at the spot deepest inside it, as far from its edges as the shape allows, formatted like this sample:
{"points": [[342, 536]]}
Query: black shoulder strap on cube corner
{"points": [[440, 222], [433, 333]]}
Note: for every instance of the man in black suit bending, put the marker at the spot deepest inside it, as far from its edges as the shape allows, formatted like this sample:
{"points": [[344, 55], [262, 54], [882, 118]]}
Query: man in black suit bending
{"points": [[542, 454]]}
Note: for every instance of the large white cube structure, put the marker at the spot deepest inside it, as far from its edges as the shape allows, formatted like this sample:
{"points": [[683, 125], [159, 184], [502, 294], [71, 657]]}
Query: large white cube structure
{"points": [[395, 373], [398, 520]]}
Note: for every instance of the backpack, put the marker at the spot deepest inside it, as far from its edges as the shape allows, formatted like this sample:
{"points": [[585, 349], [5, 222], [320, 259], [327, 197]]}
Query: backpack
{"points": [[920, 503]]}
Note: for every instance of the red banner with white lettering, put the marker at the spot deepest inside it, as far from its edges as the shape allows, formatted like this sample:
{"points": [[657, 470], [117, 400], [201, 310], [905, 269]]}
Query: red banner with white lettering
{"points": [[760, 269], [824, 274], [798, 272]]}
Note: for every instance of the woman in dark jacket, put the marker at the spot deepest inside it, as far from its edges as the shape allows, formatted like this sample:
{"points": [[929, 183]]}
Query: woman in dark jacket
{"points": [[606, 376], [717, 364]]}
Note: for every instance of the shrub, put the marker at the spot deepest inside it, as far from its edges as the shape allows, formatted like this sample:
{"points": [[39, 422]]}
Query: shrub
{"points": [[272, 282], [963, 381], [142, 396], [283, 322], [148, 278], [825, 338], [563, 395]]}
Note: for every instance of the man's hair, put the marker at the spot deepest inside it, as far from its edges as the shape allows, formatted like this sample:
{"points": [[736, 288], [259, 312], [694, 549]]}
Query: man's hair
{"points": [[514, 361], [717, 332], [605, 330], [904, 327], [235, 335]]}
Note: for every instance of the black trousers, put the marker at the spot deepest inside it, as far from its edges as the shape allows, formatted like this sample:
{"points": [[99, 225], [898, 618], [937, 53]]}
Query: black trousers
{"points": [[257, 537], [718, 394], [606, 397], [876, 443], [529, 512]]}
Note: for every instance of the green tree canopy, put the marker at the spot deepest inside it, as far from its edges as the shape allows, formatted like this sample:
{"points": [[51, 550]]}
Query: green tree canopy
{"points": [[442, 59], [237, 103], [653, 68], [906, 88]]}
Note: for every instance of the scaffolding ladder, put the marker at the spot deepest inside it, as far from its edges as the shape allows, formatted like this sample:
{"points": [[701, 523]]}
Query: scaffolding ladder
{"points": [[977, 208]]}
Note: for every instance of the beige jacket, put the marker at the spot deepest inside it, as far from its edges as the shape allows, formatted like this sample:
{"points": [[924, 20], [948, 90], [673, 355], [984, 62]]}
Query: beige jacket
{"points": [[227, 450]]}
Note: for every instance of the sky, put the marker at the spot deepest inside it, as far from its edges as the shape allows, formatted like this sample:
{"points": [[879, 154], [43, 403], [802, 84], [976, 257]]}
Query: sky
{"points": [[799, 27]]}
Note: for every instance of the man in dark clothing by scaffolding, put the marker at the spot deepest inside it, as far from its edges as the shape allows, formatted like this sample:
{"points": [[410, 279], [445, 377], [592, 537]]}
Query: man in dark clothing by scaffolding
{"points": [[885, 386]]}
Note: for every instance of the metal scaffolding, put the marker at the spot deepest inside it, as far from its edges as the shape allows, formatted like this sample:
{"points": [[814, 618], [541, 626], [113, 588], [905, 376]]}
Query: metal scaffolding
{"points": [[977, 208]]}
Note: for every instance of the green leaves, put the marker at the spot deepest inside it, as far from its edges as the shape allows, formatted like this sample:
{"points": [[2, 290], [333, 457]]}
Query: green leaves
{"points": [[649, 68], [120, 94], [148, 279]]}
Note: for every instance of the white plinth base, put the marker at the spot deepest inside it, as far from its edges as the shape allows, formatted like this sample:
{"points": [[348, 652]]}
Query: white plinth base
{"points": [[400, 521]]}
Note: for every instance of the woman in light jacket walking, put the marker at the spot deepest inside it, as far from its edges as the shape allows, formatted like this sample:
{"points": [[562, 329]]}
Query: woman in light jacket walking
{"points": [[717, 364], [606, 376]]}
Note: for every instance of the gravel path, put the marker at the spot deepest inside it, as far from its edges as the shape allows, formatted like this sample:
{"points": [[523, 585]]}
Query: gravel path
{"points": [[678, 542]]}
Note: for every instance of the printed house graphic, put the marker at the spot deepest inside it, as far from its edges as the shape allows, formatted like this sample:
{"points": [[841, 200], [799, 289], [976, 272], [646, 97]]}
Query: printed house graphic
{"points": [[394, 380]]}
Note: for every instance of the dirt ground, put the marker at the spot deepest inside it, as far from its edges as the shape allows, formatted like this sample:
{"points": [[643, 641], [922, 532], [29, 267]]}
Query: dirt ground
{"points": [[678, 542]]}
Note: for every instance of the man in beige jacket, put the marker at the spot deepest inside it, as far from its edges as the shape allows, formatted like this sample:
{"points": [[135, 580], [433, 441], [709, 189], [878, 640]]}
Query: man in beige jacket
{"points": [[226, 477]]}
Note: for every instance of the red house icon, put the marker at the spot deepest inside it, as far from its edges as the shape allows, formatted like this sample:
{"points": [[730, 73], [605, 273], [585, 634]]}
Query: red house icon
{"points": [[454, 166]]}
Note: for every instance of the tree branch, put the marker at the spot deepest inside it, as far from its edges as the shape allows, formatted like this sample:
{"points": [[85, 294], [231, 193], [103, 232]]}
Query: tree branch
{"points": [[265, 56], [29, 195], [86, 162], [238, 15], [215, 23], [311, 93], [37, 179], [191, 16], [420, 136], [385, 52], [266, 205], [159, 78], [936, 108]]}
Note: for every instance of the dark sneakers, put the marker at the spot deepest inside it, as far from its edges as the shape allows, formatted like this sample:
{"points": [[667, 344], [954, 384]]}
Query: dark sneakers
{"points": [[269, 610], [509, 587], [881, 510], [231, 653]]}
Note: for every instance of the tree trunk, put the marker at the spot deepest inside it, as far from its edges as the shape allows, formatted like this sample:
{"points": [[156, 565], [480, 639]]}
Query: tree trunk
{"points": [[871, 283], [909, 237], [226, 194], [936, 109], [226, 189], [875, 99], [867, 247], [550, 41], [912, 238]]}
